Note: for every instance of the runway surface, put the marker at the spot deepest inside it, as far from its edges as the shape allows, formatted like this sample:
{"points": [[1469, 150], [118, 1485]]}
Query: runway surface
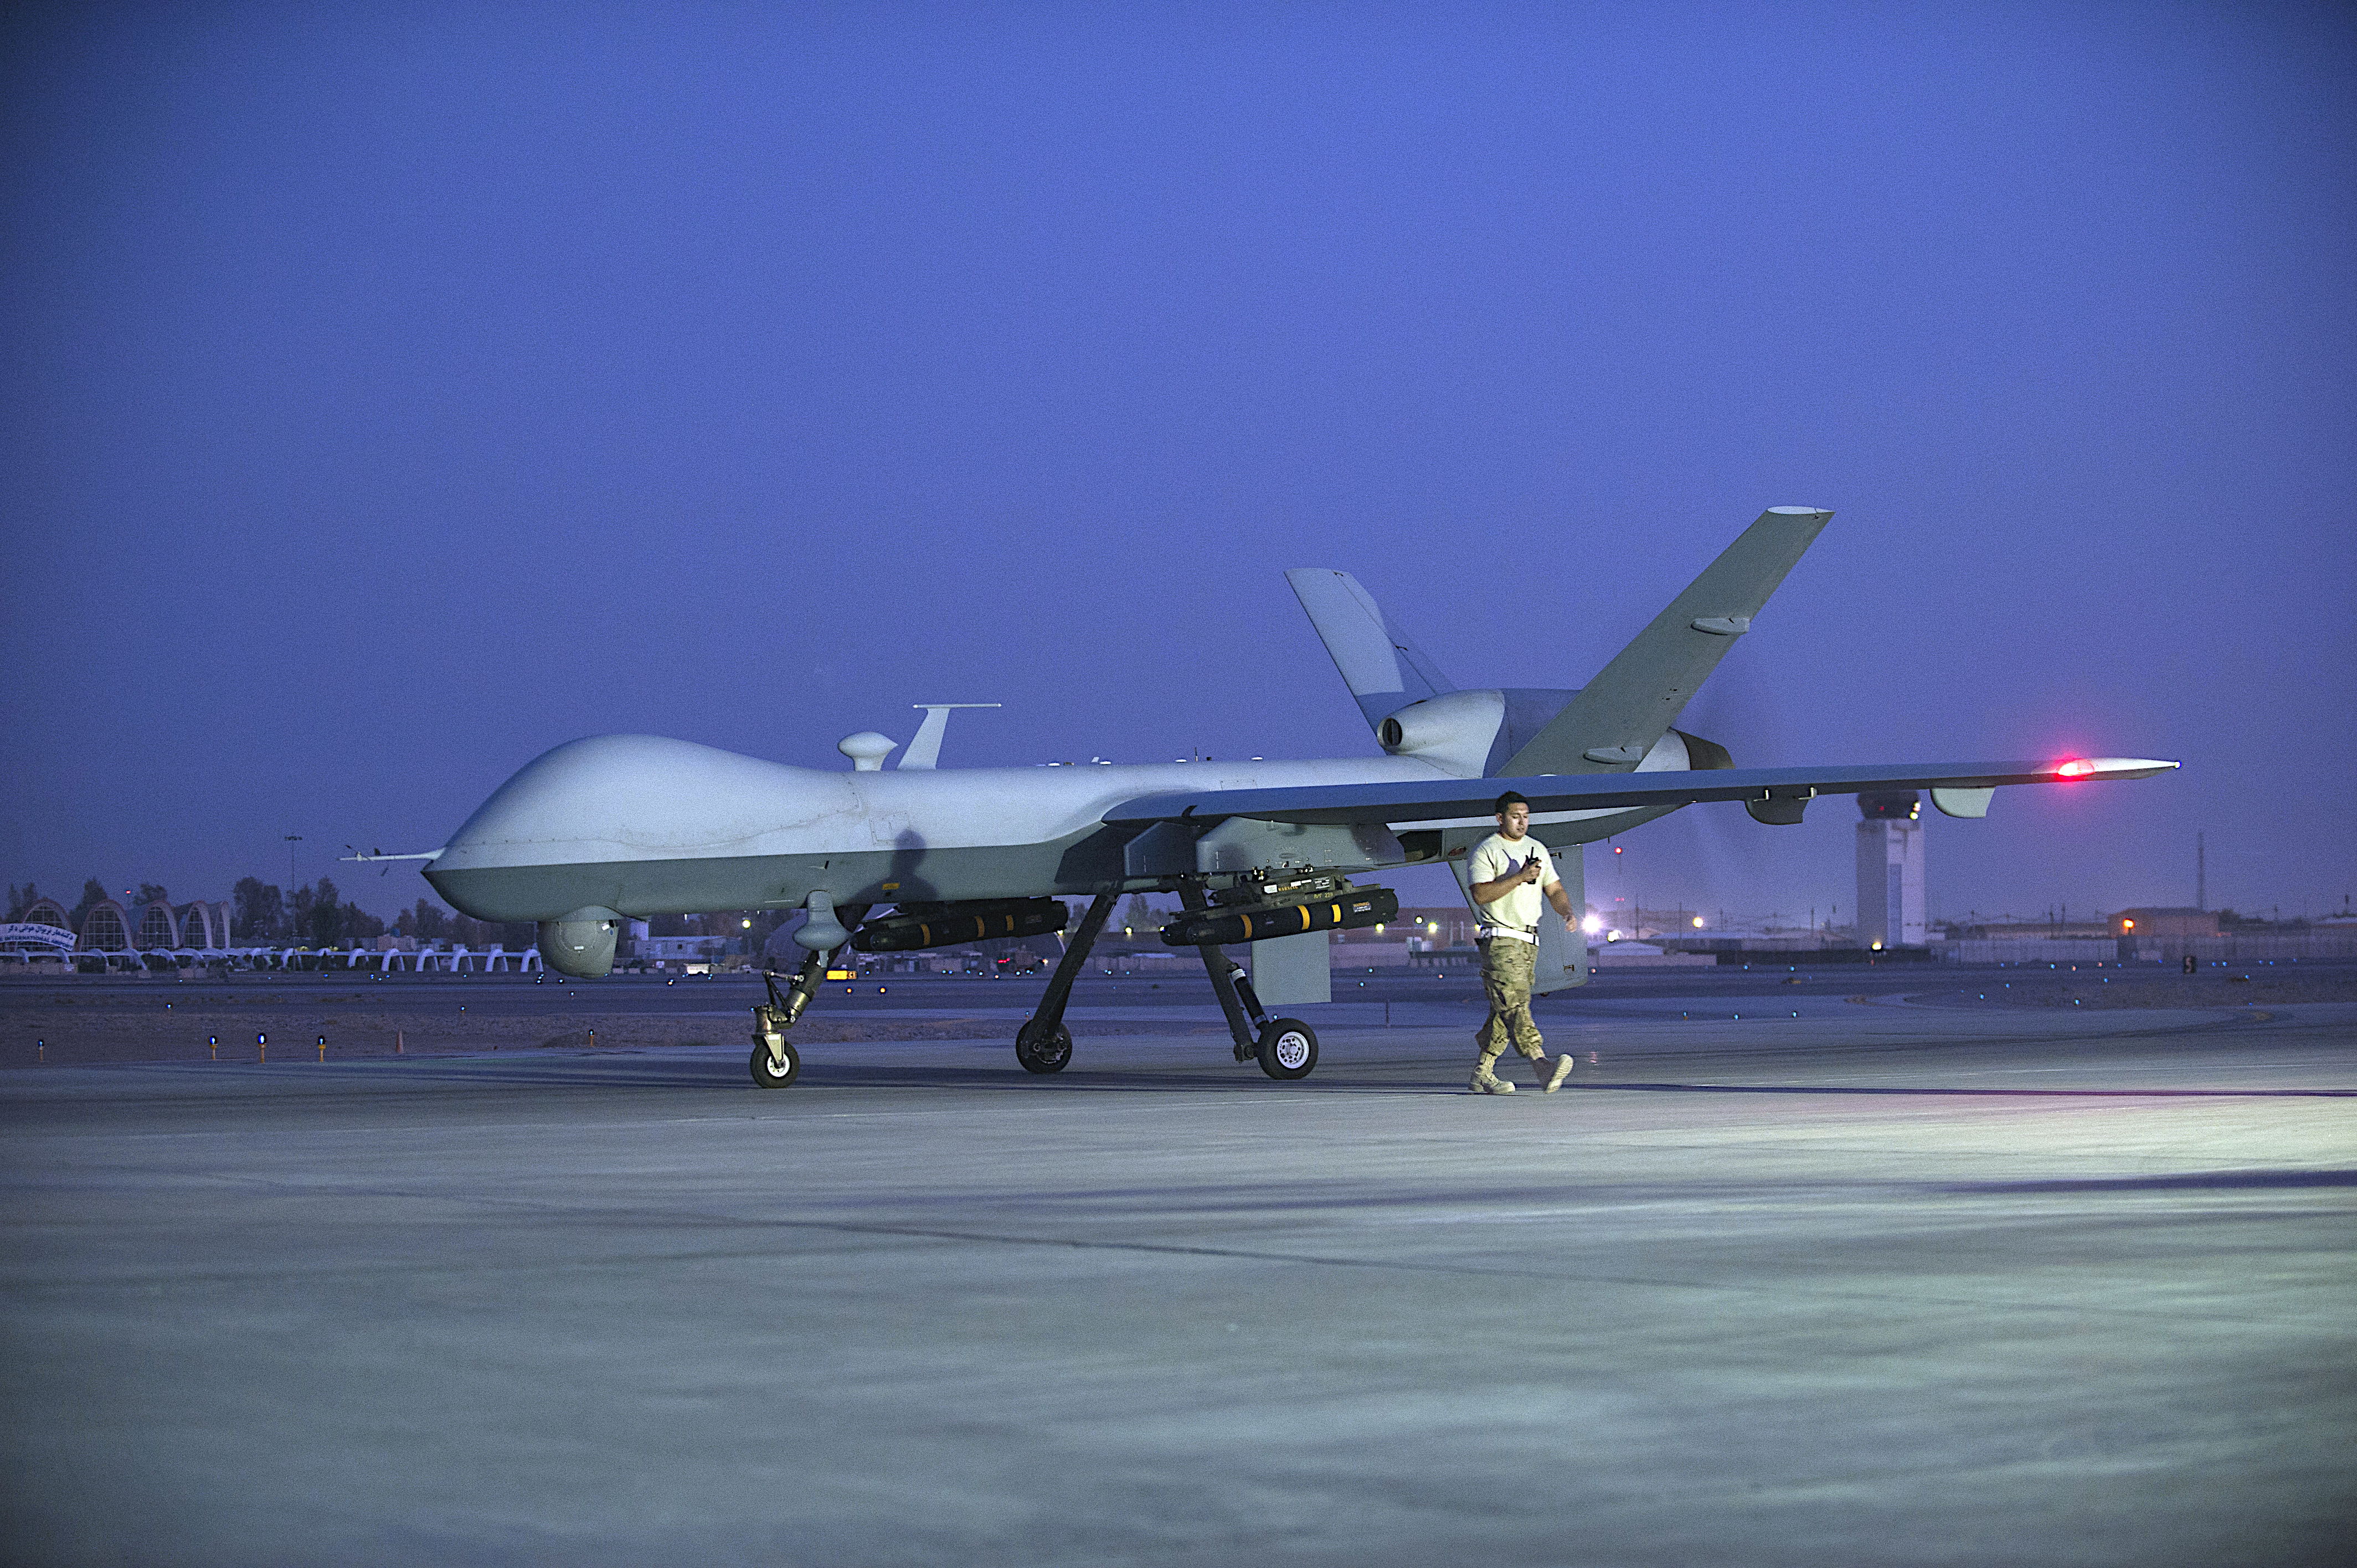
{"points": [[1878, 1283]]}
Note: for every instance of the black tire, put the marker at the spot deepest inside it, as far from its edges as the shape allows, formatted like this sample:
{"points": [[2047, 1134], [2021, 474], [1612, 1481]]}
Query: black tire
{"points": [[769, 1077], [1041, 1050], [1289, 1048]]}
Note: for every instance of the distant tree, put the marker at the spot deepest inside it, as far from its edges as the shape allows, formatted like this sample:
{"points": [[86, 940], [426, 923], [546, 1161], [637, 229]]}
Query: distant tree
{"points": [[21, 899], [298, 922], [151, 892], [323, 923], [1140, 917], [427, 922], [360, 925], [93, 894], [256, 907]]}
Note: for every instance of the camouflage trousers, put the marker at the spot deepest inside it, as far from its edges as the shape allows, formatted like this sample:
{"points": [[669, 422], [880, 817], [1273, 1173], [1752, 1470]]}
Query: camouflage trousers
{"points": [[1508, 968]]}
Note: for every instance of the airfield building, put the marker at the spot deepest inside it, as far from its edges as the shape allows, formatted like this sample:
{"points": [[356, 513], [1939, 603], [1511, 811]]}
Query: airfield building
{"points": [[1891, 870]]}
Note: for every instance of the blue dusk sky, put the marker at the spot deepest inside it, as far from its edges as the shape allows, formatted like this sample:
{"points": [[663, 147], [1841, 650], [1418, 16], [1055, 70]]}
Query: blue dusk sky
{"points": [[396, 390]]}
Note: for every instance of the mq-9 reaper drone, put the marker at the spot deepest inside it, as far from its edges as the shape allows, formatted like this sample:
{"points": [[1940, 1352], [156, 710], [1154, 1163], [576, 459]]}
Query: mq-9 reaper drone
{"points": [[624, 826]]}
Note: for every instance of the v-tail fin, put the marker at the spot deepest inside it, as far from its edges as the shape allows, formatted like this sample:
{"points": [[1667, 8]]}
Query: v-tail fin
{"points": [[1384, 670]]}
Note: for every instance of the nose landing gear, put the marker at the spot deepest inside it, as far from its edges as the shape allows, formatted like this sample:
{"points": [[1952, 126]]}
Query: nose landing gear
{"points": [[775, 1064]]}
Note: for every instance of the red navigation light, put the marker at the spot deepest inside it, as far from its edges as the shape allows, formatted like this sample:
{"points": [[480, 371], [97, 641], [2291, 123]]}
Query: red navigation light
{"points": [[2077, 768]]}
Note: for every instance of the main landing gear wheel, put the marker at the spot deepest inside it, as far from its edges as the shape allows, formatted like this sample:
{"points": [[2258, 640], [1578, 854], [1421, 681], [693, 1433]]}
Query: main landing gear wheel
{"points": [[1043, 1050], [768, 1074], [1289, 1048]]}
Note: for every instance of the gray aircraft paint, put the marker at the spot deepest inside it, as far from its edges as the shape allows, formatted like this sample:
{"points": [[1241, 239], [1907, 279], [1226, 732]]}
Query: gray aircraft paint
{"points": [[640, 824], [643, 825], [635, 825]]}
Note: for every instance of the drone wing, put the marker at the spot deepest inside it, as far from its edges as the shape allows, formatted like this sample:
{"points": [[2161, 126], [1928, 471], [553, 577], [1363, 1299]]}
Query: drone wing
{"points": [[1960, 789]]}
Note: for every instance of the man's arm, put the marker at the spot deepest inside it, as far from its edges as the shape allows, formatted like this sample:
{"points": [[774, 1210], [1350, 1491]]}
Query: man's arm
{"points": [[1490, 892], [1562, 902]]}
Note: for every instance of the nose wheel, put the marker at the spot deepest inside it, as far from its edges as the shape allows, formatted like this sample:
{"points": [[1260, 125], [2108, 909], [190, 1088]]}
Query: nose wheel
{"points": [[779, 1070], [1288, 1048], [774, 1063]]}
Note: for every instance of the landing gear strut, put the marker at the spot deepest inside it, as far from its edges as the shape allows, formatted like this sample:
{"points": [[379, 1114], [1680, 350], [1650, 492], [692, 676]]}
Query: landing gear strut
{"points": [[775, 1063], [1043, 1044], [1285, 1047]]}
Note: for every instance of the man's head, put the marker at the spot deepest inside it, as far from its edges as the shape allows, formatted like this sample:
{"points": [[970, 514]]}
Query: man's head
{"points": [[1513, 814]]}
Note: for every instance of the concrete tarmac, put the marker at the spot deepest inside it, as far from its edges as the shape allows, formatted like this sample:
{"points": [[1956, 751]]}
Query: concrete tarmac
{"points": [[1874, 1284]]}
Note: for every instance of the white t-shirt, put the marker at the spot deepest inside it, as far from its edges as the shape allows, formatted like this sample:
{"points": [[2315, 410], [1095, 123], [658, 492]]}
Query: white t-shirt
{"points": [[1517, 914]]}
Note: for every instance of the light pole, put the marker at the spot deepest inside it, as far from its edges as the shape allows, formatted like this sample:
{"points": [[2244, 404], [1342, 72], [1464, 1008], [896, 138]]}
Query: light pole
{"points": [[292, 883]]}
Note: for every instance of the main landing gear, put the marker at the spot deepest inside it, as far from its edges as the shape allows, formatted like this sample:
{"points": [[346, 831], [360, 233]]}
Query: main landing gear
{"points": [[1043, 1044], [1285, 1047]]}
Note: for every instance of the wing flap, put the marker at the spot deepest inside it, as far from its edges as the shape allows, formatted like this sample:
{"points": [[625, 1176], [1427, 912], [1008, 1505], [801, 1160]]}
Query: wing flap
{"points": [[1442, 799]]}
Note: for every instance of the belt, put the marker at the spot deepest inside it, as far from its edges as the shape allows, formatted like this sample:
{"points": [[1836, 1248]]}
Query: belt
{"points": [[1486, 933]]}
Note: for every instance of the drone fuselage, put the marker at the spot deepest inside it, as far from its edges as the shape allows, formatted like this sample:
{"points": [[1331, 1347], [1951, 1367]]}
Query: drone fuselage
{"points": [[642, 825]]}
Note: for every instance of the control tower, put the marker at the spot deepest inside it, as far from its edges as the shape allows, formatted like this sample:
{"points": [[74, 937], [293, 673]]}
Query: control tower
{"points": [[1890, 871]]}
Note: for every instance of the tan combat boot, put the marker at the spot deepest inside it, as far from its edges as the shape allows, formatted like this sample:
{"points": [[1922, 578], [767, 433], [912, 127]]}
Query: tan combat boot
{"points": [[1551, 1080], [1486, 1080]]}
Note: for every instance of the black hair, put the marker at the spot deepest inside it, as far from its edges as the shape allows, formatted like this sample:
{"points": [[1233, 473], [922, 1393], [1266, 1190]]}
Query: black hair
{"points": [[1511, 798]]}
